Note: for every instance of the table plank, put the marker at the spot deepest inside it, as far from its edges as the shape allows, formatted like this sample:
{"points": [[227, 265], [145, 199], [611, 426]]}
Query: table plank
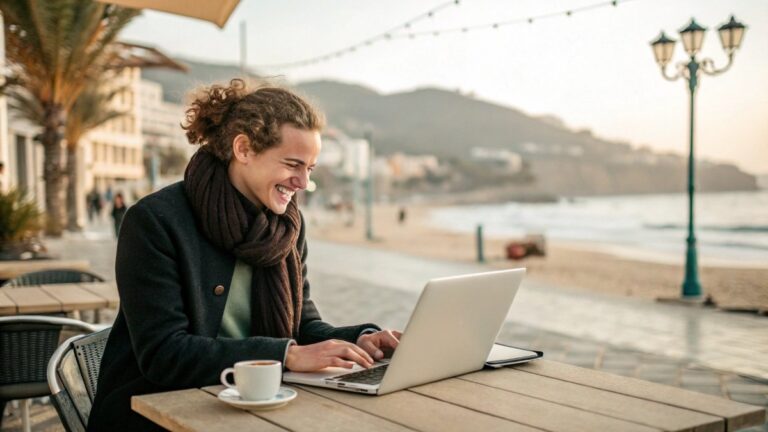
{"points": [[310, 412], [599, 401], [31, 300], [73, 297], [7, 306], [422, 413], [524, 409], [106, 290], [737, 415], [11, 269], [195, 410]]}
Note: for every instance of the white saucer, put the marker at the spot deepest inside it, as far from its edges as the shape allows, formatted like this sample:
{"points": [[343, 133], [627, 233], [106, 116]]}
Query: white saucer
{"points": [[232, 397]]}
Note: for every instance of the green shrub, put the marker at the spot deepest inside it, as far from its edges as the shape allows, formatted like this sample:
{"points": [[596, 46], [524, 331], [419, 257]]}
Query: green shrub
{"points": [[20, 219]]}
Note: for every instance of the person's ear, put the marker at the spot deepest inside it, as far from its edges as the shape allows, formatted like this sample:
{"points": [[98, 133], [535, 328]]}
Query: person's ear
{"points": [[240, 147]]}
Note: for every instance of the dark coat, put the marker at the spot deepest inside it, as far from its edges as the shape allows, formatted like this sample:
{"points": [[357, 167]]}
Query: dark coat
{"points": [[173, 286]]}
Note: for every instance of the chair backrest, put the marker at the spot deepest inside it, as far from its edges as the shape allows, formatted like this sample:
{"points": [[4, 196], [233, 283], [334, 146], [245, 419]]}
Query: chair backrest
{"points": [[26, 344], [89, 351], [73, 374], [52, 277]]}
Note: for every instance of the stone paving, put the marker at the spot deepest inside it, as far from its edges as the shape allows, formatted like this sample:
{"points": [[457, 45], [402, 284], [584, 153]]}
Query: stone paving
{"points": [[720, 340], [697, 349]]}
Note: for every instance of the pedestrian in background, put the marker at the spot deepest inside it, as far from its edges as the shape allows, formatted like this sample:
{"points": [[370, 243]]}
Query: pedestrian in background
{"points": [[118, 211], [94, 204], [108, 196]]}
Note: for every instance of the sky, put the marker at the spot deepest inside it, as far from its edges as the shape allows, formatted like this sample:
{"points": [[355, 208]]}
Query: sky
{"points": [[594, 69]]}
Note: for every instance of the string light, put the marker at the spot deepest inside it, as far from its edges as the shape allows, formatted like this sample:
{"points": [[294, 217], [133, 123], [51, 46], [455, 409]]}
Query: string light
{"points": [[387, 35], [398, 33], [529, 20]]}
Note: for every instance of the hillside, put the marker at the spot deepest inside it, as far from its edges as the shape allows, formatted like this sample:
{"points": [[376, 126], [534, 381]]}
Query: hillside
{"points": [[177, 84], [449, 124]]}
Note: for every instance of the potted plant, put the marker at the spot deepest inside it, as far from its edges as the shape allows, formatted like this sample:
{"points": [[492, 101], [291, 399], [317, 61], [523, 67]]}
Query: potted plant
{"points": [[20, 226]]}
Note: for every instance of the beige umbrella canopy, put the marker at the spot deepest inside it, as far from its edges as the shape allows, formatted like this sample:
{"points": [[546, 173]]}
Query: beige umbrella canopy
{"points": [[215, 11]]}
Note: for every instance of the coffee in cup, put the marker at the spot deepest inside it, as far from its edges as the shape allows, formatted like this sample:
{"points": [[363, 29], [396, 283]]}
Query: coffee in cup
{"points": [[255, 379]]}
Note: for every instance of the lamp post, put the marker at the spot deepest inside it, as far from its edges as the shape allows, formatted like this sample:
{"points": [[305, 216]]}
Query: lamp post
{"points": [[369, 190], [731, 34]]}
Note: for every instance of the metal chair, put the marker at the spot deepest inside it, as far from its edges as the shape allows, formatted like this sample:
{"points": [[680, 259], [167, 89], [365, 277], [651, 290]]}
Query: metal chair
{"points": [[52, 277], [73, 374], [26, 344]]}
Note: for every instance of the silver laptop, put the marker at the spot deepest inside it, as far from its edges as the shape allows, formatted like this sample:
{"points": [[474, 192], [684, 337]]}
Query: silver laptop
{"points": [[450, 333]]}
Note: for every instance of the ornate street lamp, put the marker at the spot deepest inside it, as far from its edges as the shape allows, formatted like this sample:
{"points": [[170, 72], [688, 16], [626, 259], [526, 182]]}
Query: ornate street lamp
{"points": [[731, 34]]}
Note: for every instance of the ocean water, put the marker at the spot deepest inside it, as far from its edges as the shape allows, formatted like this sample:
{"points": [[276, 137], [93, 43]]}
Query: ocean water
{"points": [[731, 228]]}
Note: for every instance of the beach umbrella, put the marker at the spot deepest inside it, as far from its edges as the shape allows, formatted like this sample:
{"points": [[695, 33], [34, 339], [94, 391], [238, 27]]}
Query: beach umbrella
{"points": [[217, 11]]}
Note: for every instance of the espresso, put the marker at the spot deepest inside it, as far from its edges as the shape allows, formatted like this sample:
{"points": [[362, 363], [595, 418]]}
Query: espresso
{"points": [[262, 363], [254, 379]]}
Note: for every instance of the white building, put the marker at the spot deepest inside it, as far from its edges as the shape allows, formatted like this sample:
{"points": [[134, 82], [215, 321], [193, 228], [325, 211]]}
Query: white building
{"points": [[348, 158], [23, 159], [501, 158], [161, 128], [113, 152], [161, 120]]}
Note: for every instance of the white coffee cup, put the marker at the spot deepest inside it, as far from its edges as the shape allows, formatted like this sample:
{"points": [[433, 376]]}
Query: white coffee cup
{"points": [[255, 379]]}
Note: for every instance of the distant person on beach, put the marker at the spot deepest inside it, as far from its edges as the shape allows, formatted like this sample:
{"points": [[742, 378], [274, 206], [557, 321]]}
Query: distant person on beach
{"points": [[401, 215], [118, 211], [212, 270]]}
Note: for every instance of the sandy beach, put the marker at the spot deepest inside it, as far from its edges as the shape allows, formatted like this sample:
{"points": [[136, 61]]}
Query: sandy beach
{"points": [[565, 265]]}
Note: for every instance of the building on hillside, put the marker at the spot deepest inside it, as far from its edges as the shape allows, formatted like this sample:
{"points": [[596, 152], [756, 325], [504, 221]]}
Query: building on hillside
{"points": [[498, 158], [404, 167]]}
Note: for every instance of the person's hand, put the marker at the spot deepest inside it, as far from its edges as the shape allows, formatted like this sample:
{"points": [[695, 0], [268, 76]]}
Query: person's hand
{"points": [[380, 344], [308, 358]]}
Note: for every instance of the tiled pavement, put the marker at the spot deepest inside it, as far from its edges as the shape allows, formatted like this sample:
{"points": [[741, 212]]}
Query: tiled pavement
{"points": [[698, 349]]}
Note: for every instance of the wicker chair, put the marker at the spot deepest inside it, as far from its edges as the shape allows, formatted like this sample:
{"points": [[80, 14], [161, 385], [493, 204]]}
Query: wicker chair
{"points": [[52, 277], [73, 374], [26, 344]]}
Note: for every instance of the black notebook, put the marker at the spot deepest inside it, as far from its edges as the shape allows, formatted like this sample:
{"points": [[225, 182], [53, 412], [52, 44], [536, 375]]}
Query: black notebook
{"points": [[505, 355]]}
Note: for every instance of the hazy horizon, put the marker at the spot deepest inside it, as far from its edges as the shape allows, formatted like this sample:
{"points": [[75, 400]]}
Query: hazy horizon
{"points": [[594, 70]]}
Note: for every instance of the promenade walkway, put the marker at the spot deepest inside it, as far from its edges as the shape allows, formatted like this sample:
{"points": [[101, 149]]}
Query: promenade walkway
{"points": [[721, 340], [700, 349], [704, 350]]}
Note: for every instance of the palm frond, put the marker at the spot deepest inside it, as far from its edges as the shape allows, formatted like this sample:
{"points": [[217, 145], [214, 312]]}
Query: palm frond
{"points": [[26, 106], [61, 44], [92, 109]]}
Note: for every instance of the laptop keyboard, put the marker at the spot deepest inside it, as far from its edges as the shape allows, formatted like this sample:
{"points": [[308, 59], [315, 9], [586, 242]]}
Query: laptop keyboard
{"points": [[366, 376]]}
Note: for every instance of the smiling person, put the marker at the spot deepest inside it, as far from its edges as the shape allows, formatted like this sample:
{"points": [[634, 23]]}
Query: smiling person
{"points": [[212, 270]]}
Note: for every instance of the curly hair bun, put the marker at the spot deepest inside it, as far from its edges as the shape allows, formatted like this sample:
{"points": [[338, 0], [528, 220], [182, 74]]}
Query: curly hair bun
{"points": [[217, 114]]}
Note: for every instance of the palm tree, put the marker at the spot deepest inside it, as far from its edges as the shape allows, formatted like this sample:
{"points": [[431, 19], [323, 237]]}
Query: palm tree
{"points": [[56, 48], [90, 110]]}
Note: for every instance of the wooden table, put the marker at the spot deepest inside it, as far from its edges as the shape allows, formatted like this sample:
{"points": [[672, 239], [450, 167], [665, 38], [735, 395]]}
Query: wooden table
{"points": [[539, 396], [68, 297], [11, 269]]}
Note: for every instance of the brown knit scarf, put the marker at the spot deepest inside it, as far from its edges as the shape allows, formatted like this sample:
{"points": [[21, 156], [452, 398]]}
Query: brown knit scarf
{"points": [[257, 236]]}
